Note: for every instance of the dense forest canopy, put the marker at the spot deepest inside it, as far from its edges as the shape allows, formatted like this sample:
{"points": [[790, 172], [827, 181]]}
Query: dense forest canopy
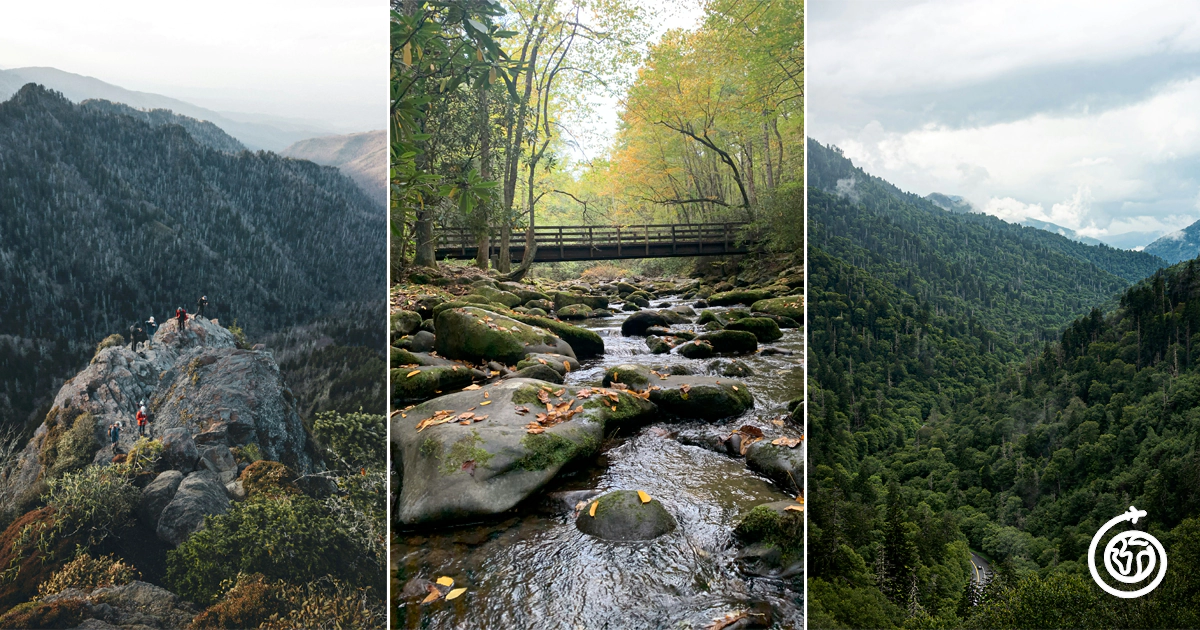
{"points": [[491, 101], [944, 418]]}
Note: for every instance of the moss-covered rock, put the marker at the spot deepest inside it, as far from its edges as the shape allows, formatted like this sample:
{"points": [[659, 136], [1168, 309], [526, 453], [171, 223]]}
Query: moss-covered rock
{"points": [[738, 296], [467, 467], [763, 329], [428, 381], [697, 349], [622, 516], [781, 321], [773, 537], [539, 372], [635, 376], [66, 613], [704, 397], [707, 316], [477, 334], [71, 441], [557, 362], [658, 345], [406, 322], [790, 306], [585, 343], [574, 311], [562, 299], [639, 322], [498, 297], [731, 341], [266, 478], [730, 367], [541, 304]]}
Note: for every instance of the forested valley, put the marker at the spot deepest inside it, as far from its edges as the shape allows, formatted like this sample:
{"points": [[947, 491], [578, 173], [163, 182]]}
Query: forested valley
{"points": [[980, 387]]}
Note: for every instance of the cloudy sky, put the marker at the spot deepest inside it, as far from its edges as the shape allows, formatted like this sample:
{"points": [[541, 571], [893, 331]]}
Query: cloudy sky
{"points": [[323, 61], [1063, 112]]}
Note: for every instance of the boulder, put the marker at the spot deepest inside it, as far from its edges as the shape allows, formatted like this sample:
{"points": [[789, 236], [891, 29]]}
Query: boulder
{"points": [[630, 307], [219, 461], [429, 381], [684, 310], [658, 345], [561, 364], [584, 343], [476, 334], [574, 311], [157, 495], [601, 313], [697, 349], [621, 516], [200, 494], [498, 297], [540, 304], [636, 324], [624, 288], [562, 299], [730, 367], [791, 306], [772, 536], [707, 316], [137, 604], [690, 396], [673, 317], [179, 450], [731, 341], [782, 464], [685, 335], [737, 296], [466, 468], [763, 329], [539, 372], [406, 322]]}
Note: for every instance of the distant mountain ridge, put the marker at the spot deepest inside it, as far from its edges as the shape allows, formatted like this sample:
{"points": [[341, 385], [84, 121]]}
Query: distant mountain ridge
{"points": [[202, 131], [1062, 231], [272, 136], [361, 156], [106, 219], [952, 203], [1177, 246]]}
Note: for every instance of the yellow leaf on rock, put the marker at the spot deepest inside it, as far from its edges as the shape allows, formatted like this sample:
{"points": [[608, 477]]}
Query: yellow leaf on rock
{"points": [[446, 580], [413, 373], [643, 496], [794, 508], [455, 593], [470, 388], [567, 365], [592, 510], [486, 402]]}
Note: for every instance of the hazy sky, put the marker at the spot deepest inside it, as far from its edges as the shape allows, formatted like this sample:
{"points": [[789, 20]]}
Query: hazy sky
{"points": [[324, 61], [1085, 116]]}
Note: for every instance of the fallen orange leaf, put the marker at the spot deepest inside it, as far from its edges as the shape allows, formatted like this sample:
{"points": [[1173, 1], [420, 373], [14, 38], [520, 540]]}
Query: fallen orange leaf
{"points": [[643, 496], [592, 510], [446, 580], [413, 373]]}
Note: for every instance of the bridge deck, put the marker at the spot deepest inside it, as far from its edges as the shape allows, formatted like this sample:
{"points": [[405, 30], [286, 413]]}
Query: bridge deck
{"points": [[573, 242]]}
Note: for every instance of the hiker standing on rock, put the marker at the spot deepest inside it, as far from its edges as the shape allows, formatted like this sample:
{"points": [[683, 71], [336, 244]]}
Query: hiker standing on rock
{"points": [[200, 305], [135, 333], [181, 315], [151, 327], [114, 434], [141, 421]]}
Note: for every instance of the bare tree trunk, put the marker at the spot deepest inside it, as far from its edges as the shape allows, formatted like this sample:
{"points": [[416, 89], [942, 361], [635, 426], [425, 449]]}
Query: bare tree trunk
{"points": [[484, 252], [767, 156], [425, 254], [748, 154], [504, 265]]}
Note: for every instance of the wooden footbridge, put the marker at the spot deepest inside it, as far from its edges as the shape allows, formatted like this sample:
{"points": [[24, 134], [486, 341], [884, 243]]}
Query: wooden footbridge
{"points": [[583, 242]]}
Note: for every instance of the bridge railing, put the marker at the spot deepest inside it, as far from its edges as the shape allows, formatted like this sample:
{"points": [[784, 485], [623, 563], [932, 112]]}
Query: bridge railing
{"points": [[622, 237]]}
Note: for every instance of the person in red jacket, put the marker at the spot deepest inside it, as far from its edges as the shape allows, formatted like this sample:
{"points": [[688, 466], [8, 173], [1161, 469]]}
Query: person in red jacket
{"points": [[141, 420], [181, 315]]}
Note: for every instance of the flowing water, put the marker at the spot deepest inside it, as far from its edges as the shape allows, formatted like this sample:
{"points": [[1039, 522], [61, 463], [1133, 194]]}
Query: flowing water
{"points": [[534, 569]]}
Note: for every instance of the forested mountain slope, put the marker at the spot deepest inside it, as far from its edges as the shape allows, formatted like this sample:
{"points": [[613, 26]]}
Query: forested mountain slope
{"points": [[1178, 246], [106, 219], [936, 428], [361, 156], [963, 237], [202, 131]]}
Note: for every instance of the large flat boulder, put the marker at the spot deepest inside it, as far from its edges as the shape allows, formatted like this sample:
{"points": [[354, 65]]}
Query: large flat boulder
{"points": [[457, 467], [476, 334], [157, 495]]}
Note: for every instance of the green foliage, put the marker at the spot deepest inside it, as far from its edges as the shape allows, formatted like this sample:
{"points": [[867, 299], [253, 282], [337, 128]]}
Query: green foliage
{"points": [[286, 537], [251, 602], [86, 573], [269, 479], [142, 457], [70, 442], [782, 530], [239, 335], [548, 449], [355, 439], [247, 453], [95, 503], [110, 341]]}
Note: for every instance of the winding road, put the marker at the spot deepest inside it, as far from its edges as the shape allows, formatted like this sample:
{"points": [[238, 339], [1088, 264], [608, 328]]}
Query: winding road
{"points": [[981, 571]]}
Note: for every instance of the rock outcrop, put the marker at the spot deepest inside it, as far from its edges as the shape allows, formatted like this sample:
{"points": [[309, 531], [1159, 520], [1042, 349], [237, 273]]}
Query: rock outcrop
{"points": [[205, 395]]}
